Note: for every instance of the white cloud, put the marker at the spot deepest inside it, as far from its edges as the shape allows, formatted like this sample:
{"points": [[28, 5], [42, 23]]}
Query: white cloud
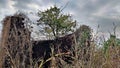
{"points": [[89, 12]]}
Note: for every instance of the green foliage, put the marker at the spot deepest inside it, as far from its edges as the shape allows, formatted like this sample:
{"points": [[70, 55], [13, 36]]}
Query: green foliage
{"points": [[85, 34], [56, 23], [111, 42]]}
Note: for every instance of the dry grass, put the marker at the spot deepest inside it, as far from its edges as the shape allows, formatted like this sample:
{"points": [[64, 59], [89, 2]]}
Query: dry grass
{"points": [[92, 59], [16, 50]]}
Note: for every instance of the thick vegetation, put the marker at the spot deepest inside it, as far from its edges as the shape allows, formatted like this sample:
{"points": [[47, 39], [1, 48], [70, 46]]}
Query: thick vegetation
{"points": [[16, 46]]}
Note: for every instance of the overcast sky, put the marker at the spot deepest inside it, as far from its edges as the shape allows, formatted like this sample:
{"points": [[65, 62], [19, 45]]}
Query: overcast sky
{"points": [[89, 12]]}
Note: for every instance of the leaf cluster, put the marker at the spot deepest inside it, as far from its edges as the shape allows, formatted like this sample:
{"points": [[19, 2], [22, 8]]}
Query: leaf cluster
{"points": [[55, 22]]}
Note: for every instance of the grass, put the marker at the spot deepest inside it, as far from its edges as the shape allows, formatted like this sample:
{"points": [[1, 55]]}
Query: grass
{"points": [[85, 57], [92, 59], [96, 58]]}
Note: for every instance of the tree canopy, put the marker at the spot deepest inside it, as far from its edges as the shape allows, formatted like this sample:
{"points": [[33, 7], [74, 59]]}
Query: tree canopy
{"points": [[84, 34], [55, 23]]}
